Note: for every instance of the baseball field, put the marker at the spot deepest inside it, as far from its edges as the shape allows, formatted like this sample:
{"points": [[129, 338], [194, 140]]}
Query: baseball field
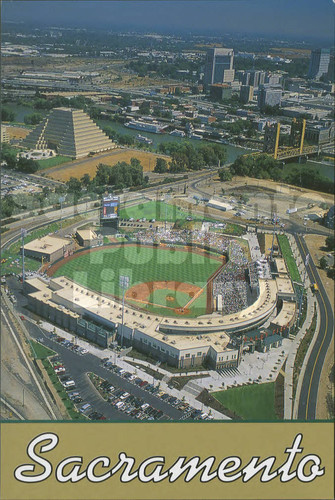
{"points": [[162, 280]]}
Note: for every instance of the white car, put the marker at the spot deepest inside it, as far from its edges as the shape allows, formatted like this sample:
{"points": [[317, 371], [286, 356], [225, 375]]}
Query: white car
{"points": [[124, 395]]}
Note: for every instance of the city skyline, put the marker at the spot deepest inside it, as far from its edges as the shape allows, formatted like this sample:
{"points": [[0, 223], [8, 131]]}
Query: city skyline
{"points": [[304, 19]]}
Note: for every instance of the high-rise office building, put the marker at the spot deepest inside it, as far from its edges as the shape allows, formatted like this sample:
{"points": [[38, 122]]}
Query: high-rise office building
{"points": [[246, 78], [269, 96], [319, 63], [246, 93], [218, 66]]}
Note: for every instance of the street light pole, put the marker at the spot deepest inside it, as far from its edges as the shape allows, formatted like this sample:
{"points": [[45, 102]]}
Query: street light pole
{"points": [[61, 199], [23, 234], [303, 285]]}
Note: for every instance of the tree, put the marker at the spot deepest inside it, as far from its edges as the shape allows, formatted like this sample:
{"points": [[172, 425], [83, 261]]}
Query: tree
{"points": [[86, 180], [8, 155], [323, 263], [161, 166], [33, 119], [331, 273], [135, 162], [7, 115], [225, 175], [7, 206], [74, 187], [27, 165], [330, 242]]}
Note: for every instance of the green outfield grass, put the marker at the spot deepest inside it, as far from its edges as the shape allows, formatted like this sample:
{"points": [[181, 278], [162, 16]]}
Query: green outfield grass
{"points": [[288, 256], [251, 402], [101, 270]]}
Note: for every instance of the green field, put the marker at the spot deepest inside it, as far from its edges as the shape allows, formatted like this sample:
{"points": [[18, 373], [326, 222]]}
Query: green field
{"points": [[251, 402], [53, 162], [100, 270], [154, 210], [40, 351], [288, 256]]}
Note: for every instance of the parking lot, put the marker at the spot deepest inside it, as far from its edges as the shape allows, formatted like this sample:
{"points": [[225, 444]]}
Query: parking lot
{"points": [[102, 390]]}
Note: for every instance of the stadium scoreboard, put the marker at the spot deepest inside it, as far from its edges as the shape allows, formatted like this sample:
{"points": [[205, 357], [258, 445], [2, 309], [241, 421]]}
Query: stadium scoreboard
{"points": [[109, 215], [110, 207]]}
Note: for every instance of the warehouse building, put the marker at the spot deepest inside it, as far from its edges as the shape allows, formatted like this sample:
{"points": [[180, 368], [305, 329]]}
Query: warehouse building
{"points": [[49, 248], [88, 238], [219, 205]]}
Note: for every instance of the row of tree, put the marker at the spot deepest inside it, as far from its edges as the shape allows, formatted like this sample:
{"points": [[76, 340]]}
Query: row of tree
{"points": [[265, 167], [184, 156], [119, 176]]}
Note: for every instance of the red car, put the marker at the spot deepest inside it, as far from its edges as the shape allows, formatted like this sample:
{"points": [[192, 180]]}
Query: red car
{"points": [[22, 317]]}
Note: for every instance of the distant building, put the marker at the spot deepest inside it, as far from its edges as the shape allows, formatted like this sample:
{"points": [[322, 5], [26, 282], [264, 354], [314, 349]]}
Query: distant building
{"points": [[4, 134], [246, 93], [320, 134], [221, 91], [257, 78], [269, 96], [274, 79], [219, 205], [319, 63], [218, 66]]}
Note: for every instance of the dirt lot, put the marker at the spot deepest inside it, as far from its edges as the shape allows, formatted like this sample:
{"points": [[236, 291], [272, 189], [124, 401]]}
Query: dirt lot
{"points": [[316, 245], [78, 168], [269, 196], [17, 132]]}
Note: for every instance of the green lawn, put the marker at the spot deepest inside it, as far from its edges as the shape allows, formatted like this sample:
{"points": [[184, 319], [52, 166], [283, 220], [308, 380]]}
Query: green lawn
{"points": [[100, 270], [53, 162], [252, 402], [154, 210], [233, 229], [40, 351], [288, 256]]}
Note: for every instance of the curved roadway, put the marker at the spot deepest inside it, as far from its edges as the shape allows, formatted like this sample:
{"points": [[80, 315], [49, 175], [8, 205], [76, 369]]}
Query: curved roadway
{"points": [[310, 383]]}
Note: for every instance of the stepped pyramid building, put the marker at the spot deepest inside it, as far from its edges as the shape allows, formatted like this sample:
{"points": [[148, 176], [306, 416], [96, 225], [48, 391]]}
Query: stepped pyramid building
{"points": [[70, 132]]}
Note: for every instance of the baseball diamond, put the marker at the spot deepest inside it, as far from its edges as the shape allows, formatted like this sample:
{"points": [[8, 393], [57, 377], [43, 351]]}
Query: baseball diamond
{"points": [[163, 280]]}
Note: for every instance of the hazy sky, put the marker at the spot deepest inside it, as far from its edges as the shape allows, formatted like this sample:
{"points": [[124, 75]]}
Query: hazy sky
{"points": [[298, 18]]}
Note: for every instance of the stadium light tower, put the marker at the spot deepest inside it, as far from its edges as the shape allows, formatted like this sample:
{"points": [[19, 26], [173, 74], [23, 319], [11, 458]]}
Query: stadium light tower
{"points": [[61, 199], [23, 234], [124, 283]]}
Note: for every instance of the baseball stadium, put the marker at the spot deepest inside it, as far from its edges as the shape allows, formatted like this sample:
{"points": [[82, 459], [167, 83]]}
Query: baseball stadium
{"points": [[190, 295]]}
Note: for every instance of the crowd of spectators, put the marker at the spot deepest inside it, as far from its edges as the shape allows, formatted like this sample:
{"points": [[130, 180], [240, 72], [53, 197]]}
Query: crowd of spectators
{"points": [[214, 241]]}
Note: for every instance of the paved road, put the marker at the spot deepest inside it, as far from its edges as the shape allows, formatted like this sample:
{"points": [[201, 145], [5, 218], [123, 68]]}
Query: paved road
{"points": [[78, 367], [310, 384]]}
